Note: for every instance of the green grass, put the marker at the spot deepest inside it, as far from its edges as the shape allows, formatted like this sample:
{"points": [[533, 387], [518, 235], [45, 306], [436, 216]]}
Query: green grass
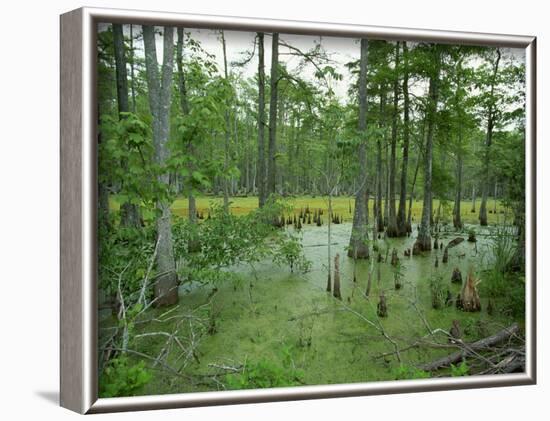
{"points": [[341, 206]]}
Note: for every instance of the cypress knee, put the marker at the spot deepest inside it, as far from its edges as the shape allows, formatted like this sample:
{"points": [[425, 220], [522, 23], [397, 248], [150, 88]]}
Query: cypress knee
{"points": [[336, 291]]}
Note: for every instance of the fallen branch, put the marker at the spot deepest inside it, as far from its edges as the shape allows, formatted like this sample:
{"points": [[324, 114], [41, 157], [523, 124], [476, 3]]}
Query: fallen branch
{"points": [[470, 349]]}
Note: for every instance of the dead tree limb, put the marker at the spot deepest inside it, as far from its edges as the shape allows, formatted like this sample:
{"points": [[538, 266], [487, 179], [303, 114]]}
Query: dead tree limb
{"points": [[470, 349]]}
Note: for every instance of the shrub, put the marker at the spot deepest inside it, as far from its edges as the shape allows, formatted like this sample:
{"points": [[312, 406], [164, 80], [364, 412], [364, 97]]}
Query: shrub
{"points": [[265, 373], [122, 378], [406, 372], [438, 291], [460, 370]]}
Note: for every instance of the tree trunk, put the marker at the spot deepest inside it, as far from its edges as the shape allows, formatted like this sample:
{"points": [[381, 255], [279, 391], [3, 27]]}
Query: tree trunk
{"points": [[495, 198], [488, 141], [392, 222], [336, 291], [226, 178], [386, 185], [457, 220], [424, 239], [358, 246], [272, 147], [261, 181], [132, 67], [473, 197], [104, 220], [160, 93], [378, 211], [129, 213], [402, 227], [411, 196]]}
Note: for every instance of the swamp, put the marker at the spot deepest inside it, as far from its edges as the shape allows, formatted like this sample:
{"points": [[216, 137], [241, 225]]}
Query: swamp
{"points": [[283, 210]]}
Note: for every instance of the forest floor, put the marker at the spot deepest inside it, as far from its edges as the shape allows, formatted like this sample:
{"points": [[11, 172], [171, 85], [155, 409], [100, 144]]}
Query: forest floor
{"points": [[277, 318]]}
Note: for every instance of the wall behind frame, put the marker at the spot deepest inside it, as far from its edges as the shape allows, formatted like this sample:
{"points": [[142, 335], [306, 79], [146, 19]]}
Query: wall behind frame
{"points": [[29, 173]]}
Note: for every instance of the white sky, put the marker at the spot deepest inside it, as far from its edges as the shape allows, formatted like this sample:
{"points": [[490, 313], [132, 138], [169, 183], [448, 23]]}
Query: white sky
{"points": [[339, 49]]}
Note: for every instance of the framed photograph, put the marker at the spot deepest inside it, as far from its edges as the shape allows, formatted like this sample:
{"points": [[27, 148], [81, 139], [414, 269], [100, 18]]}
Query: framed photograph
{"points": [[257, 210]]}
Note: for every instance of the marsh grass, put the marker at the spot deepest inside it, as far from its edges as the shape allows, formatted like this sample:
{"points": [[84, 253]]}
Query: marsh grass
{"points": [[341, 206]]}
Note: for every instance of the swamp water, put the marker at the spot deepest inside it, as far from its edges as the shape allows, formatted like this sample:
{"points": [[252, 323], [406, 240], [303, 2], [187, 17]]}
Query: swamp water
{"points": [[274, 315]]}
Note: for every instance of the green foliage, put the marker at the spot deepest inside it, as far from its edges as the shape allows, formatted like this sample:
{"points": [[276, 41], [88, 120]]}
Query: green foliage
{"points": [[504, 249], [438, 290], [507, 289], [460, 370], [407, 372], [289, 252], [227, 240], [502, 282], [265, 373], [124, 256], [122, 377]]}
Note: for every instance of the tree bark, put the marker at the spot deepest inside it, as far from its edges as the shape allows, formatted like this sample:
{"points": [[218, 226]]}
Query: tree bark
{"points": [[402, 227], [417, 167], [488, 141], [378, 211], [392, 222], [457, 219], [272, 147], [261, 177], [358, 247], [424, 239], [160, 95], [129, 213], [132, 67], [411, 195], [226, 178]]}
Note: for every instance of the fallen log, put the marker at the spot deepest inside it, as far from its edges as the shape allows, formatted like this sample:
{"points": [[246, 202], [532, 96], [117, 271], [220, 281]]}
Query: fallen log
{"points": [[454, 242], [472, 348]]}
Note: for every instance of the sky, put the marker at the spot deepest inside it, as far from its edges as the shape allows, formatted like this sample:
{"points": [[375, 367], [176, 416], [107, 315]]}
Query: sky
{"points": [[340, 50]]}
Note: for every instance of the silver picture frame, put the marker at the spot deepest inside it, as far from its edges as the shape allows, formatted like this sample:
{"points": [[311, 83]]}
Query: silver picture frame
{"points": [[78, 261]]}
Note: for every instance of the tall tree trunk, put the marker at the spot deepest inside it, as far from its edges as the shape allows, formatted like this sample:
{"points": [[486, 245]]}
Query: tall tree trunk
{"points": [[378, 211], [424, 239], [261, 177], [358, 247], [104, 219], [129, 213], [272, 148], [132, 67], [495, 198], [226, 179], [473, 197], [457, 220], [386, 183], [488, 141], [392, 222], [193, 244], [411, 195], [402, 227], [160, 95]]}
